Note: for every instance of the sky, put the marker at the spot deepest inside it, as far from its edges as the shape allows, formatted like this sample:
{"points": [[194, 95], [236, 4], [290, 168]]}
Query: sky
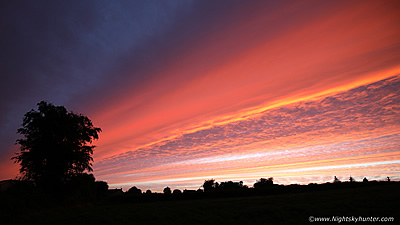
{"points": [[186, 91]]}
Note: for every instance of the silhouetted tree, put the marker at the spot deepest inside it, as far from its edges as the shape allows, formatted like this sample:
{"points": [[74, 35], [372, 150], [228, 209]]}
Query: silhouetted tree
{"points": [[264, 183], [210, 185], [365, 180], [388, 179], [336, 180], [167, 191], [352, 180], [177, 192], [134, 191], [231, 186], [54, 147], [148, 192]]}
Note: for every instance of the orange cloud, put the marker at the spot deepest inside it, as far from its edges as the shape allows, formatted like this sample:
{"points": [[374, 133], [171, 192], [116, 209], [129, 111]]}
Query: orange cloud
{"points": [[297, 77], [357, 127]]}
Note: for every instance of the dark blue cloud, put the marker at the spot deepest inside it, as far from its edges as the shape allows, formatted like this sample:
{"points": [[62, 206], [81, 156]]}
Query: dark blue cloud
{"points": [[61, 51]]}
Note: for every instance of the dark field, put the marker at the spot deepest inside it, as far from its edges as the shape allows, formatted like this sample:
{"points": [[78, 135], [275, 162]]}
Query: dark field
{"points": [[293, 208]]}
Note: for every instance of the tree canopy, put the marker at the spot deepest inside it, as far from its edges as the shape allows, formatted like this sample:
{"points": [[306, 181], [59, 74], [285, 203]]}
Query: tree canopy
{"points": [[56, 144]]}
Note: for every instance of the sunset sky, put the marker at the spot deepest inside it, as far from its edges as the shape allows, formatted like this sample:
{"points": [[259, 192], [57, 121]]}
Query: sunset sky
{"points": [[186, 91]]}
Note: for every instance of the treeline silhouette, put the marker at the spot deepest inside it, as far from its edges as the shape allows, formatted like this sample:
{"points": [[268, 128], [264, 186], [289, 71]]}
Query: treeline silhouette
{"points": [[213, 189], [84, 189]]}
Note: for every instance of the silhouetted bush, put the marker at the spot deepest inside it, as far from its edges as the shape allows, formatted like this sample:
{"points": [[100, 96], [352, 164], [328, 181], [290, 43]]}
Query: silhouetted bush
{"points": [[134, 191], [167, 191], [101, 188], [79, 188]]}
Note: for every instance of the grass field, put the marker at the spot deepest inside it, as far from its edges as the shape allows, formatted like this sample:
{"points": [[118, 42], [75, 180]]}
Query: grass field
{"points": [[295, 208]]}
